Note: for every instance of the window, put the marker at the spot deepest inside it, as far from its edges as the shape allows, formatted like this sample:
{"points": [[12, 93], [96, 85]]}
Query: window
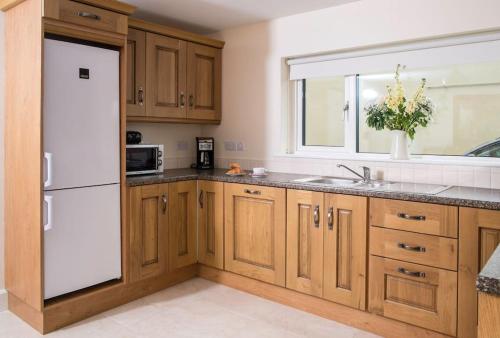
{"points": [[463, 83]]}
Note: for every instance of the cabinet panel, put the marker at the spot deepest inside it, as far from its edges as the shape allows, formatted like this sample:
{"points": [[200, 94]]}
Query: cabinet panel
{"points": [[255, 232], [166, 76], [345, 249], [204, 82], [136, 72], [182, 224], [148, 222], [479, 235], [211, 223], [414, 294], [305, 242]]}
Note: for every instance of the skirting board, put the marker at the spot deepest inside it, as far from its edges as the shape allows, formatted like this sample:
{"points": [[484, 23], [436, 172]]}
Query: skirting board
{"points": [[3, 300]]}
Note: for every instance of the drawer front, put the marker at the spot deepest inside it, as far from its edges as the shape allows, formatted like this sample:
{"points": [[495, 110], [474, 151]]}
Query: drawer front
{"points": [[440, 252], [415, 294], [85, 15], [432, 219]]}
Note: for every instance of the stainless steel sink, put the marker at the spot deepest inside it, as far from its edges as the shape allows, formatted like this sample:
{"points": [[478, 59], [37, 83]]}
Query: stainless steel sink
{"points": [[336, 181]]}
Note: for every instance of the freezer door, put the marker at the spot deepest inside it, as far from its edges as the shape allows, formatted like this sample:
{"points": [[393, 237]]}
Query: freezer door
{"points": [[81, 238], [81, 119]]}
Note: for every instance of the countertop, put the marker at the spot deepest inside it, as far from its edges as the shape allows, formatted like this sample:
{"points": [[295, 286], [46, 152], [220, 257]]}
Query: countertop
{"points": [[457, 196], [489, 278]]}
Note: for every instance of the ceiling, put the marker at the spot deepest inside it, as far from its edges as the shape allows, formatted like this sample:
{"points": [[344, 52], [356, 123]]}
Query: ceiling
{"points": [[208, 16]]}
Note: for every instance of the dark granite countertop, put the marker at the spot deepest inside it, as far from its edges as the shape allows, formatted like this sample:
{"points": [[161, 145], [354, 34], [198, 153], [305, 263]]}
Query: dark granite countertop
{"points": [[489, 278], [458, 196]]}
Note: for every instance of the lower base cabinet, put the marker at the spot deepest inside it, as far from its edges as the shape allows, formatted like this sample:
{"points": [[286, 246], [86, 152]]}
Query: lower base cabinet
{"points": [[413, 293], [255, 232], [148, 231]]}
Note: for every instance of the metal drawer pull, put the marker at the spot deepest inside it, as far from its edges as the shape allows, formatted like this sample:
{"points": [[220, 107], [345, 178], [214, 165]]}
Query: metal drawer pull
{"points": [[330, 219], [89, 16], [411, 273], [316, 216], [140, 95], [164, 200], [200, 199], [412, 218], [252, 192], [411, 248], [191, 101], [183, 100]]}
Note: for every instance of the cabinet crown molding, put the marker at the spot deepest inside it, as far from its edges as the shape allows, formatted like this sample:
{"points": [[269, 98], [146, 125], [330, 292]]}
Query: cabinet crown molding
{"points": [[112, 5]]}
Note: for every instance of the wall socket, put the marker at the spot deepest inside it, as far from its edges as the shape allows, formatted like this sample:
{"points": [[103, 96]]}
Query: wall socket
{"points": [[240, 146], [229, 146], [182, 146]]}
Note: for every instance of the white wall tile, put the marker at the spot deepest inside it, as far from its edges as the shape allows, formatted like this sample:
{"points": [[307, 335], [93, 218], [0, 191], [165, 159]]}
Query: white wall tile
{"points": [[482, 177]]}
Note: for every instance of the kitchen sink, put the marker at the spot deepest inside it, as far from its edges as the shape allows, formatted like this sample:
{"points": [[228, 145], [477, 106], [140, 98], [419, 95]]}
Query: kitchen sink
{"points": [[336, 181]]}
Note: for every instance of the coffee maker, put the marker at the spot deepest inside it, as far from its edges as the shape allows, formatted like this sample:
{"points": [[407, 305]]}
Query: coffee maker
{"points": [[205, 157]]}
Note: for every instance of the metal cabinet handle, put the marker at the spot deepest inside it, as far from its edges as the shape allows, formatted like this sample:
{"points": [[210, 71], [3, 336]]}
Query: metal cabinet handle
{"points": [[316, 216], [164, 201], [89, 16], [48, 200], [48, 158], [140, 96], [191, 101], [411, 248], [200, 199], [252, 192], [411, 273], [330, 218], [183, 100], [410, 217]]}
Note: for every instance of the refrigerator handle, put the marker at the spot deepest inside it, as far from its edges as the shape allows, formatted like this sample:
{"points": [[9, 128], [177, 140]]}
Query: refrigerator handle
{"points": [[48, 200], [48, 158]]}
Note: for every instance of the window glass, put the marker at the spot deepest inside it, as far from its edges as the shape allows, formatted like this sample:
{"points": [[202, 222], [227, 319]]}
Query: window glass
{"points": [[466, 119], [323, 112]]}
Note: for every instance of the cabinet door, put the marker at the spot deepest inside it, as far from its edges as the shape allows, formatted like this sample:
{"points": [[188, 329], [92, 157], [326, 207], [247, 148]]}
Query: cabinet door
{"points": [[345, 250], [204, 82], [255, 232], [148, 222], [166, 76], [304, 259], [211, 223], [479, 236], [182, 224], [136, 72]]}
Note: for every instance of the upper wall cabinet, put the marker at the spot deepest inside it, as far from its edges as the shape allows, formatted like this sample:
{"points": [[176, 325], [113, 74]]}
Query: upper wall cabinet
{"points": [[173, 76]]}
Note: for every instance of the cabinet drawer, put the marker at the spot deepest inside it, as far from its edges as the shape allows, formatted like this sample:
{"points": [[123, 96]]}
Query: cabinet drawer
{"points": [[85, 15], [432, 219], [415, 294], [430, 250]]}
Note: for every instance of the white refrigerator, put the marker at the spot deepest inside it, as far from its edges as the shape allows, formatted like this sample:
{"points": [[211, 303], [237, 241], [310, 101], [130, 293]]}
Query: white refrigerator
{"points": [[81, 141]]}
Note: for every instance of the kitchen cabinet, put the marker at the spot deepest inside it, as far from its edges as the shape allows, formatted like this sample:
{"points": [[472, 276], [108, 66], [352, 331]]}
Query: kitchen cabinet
{"points": [[305, 227], [136, 71], [182, 224], [345, 220], [211, 223], [254, 230], [172, 76], [478, 238], [148, 230]]}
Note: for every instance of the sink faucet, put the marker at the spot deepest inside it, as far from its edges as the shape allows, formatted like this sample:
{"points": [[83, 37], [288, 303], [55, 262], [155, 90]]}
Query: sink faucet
{"points": [[366, 177]]}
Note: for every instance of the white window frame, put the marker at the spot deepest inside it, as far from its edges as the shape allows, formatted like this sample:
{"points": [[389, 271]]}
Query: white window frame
{"points": [[349, 151]]}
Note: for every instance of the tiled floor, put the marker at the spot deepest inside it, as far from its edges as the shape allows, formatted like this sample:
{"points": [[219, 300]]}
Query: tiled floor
{"points": [[197, 308]]}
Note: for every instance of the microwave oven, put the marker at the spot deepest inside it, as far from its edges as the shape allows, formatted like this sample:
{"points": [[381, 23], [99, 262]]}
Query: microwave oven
{"points": [[144, 159]]}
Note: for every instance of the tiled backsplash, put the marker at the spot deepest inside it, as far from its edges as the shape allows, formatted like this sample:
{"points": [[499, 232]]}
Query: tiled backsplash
{"points": [[481, 177]]}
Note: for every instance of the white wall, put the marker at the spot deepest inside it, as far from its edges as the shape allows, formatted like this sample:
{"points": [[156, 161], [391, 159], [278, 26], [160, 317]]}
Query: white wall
{"points": [[252, 76], [2, 106]]}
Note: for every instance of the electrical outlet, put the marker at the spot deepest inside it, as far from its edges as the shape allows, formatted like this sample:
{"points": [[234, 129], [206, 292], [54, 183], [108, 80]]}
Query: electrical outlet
{"points": [[229, 146], [240, 146], [182, 146]]}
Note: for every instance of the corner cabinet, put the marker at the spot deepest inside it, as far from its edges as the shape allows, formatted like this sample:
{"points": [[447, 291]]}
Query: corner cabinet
{"points": [[211, 223], [173, 76], [255, 228], [148, 231]]}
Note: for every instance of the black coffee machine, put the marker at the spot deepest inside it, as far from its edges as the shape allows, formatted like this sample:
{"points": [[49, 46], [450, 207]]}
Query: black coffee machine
{"points": [[205, 157]]}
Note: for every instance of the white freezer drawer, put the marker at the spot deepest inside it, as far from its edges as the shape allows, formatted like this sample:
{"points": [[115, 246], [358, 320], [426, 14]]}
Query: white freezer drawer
{"points": [[81, 116], [81, 238]]}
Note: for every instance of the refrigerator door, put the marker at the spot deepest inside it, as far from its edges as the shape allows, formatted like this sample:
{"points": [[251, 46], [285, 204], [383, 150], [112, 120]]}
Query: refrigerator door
{"points": [[81, 115], [81, 238]]}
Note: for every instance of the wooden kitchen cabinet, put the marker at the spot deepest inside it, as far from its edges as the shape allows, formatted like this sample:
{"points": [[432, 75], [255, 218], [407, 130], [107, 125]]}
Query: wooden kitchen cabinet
{"points": [[345, 247], [182, 224], [305, 227], [478, 238], [136, 72], [254, 230], [211, 223], [148, 231]]}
